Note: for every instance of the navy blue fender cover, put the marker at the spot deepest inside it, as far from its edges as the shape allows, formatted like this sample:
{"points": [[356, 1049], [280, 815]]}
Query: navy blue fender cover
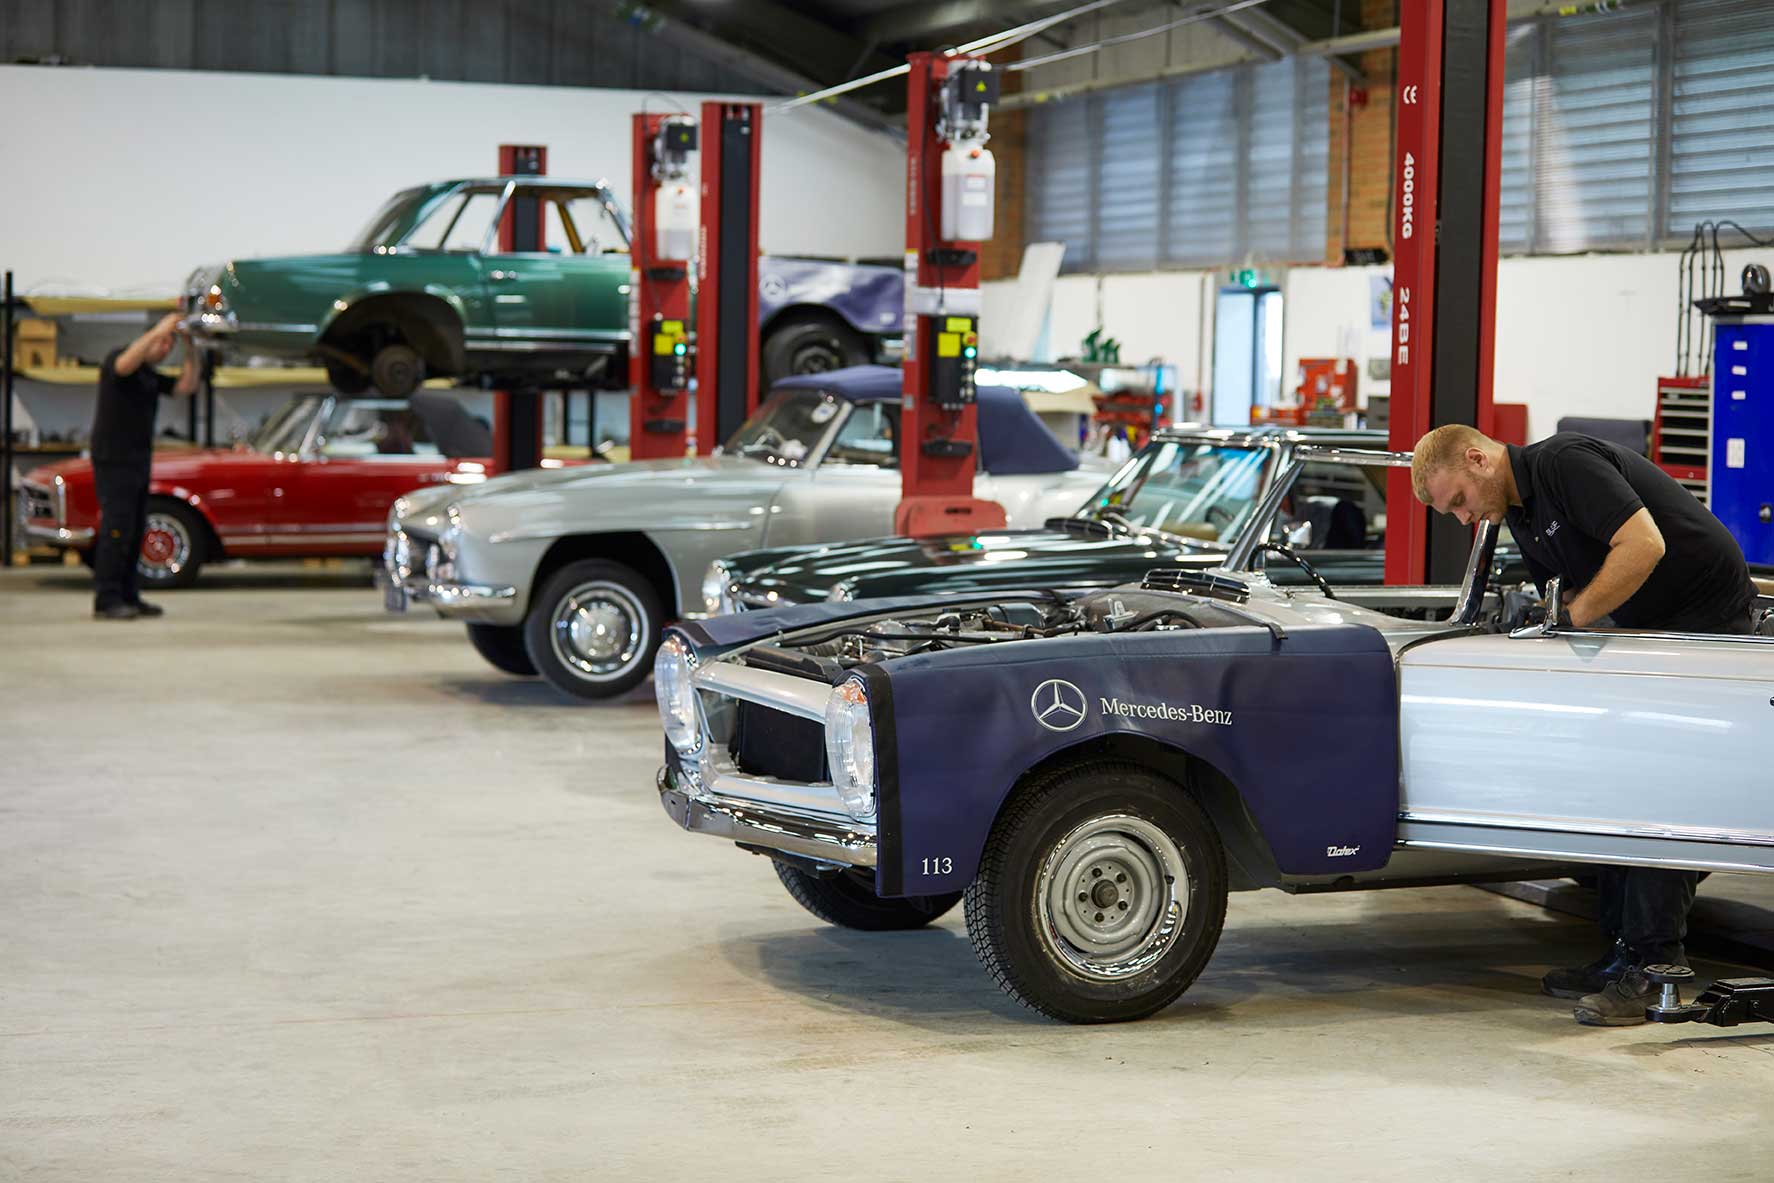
{"points": [[1305, 727]]}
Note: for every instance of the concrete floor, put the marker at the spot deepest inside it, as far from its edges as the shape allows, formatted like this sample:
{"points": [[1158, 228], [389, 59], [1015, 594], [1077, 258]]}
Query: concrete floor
{"points": [[297, 891]]}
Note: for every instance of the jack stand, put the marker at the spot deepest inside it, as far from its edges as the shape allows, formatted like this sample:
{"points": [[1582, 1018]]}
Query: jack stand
{"points": [[1726, 1003]]}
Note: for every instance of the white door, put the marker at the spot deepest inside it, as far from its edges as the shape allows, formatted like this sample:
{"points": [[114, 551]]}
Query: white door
{"points": [[1603, 746]]}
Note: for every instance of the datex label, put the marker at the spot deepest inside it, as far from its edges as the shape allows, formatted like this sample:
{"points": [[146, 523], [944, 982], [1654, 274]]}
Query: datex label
{"points": [[1192, 712]]}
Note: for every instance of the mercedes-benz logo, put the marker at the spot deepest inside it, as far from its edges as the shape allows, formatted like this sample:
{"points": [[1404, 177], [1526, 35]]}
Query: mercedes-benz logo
{"points": [[1058, 705]]}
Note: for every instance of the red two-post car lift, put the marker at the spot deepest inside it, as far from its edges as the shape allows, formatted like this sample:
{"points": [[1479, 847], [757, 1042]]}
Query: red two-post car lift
{"points": [[1449, 101]]}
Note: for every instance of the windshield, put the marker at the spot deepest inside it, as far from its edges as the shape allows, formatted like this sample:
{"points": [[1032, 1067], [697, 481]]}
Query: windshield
{"points": [[396, 217], [1202, 492], [788, 428], [285, 431]]}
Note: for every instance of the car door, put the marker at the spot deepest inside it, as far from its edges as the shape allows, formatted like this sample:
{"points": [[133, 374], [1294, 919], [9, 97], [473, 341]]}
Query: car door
{"points": [[572, 293], [369, 451], [1593, 744], [852, 489]]}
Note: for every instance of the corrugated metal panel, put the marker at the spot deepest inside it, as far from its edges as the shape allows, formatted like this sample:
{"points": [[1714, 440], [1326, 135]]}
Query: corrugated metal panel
{"points": [[1311, 161], [1722, 129], [1515, 213], [1204, 160], [1127, 193], [1061, 159], [1595, 133]]}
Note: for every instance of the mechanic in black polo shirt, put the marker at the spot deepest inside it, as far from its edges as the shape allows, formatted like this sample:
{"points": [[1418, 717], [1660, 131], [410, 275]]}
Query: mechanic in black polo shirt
{"points": [[1633, 548], [122, 450]]}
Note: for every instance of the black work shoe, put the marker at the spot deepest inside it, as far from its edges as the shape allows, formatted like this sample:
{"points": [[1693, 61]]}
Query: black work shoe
{"points": [[117, 612], [1589, 979], [144, 608], [1621, 1003]]}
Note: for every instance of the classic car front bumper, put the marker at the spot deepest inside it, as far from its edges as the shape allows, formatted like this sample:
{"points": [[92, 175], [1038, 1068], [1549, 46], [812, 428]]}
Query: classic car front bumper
{"points": [[57, 535], [42, 515], [455, 600], [758, 820]]}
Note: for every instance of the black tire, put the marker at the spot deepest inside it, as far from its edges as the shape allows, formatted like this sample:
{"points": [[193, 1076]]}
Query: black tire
{"points": [[592, 629], [811, 345], [397, 370], [346, 378], [848, 900], [175, 545], [503, 647], [1114, 830]]}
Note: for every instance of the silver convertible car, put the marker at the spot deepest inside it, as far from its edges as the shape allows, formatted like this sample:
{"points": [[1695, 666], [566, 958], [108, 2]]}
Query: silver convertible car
{"points": [[572, 573], [1094, 772]]}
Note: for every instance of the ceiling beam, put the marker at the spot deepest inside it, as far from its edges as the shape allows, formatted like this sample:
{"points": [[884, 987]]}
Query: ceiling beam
{"points": [[778, 33], [923, 24]]}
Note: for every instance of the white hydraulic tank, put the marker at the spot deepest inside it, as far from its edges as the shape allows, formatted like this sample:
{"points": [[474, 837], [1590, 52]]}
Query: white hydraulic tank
{"points": [[674, 221], [969, 176]]}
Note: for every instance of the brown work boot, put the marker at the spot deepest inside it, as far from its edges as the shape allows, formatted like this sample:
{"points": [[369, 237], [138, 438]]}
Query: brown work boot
{"points": [[1621, 1003]]}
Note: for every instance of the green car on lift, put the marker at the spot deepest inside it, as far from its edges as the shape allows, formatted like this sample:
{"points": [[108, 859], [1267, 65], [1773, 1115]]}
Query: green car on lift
{"points": [[424, 291]]}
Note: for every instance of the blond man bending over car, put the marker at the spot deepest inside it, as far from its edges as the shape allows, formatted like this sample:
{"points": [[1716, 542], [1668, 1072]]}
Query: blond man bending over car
{"points": [[1635, 549], [122, 450]]}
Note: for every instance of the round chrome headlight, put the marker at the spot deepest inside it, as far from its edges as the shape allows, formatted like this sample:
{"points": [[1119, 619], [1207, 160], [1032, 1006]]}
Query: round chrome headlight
{"points": [[673, 668], [850, 748], [717, 596]]}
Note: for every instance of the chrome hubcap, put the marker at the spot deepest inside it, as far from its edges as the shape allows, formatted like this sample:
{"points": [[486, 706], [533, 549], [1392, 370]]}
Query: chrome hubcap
{"points": [[598, 630], [166, 545], [1112, 897]]}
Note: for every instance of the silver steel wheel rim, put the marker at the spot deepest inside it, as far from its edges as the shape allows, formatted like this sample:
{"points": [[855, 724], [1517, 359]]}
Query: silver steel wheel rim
{"points": [[179, 545], [1112, 896], [598, 630]]}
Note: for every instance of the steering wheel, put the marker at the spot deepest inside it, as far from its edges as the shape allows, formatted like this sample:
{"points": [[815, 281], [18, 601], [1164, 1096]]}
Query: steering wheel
{"points": [[1287, 552]]}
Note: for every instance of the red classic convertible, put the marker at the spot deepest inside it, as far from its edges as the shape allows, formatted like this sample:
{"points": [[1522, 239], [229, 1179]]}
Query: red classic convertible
{"points": [[316, 481]]}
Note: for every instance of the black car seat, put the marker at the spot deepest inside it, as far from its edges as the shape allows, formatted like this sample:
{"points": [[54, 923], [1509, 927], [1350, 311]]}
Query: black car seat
{"points": [[1337, 523]]}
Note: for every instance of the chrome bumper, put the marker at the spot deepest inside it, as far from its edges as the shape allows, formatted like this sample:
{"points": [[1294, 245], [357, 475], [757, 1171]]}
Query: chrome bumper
{"points": [[58, 535], [774, 825], [447, 599]]}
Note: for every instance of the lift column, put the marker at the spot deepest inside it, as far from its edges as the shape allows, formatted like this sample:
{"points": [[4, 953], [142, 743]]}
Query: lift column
{"points": [[947, 100], [727, 287], [660, 359], [517, 415], [1444, 292]]}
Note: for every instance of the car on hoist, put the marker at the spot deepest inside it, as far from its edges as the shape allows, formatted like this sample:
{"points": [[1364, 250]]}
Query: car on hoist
{"points": [[572, 575], [1093, 772], [1183, 500], [426, 290], [315, 481]]}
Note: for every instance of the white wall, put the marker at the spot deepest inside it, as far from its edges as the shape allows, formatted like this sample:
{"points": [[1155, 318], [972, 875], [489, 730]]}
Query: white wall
{"points": [[1584, 335], [121, 181]]}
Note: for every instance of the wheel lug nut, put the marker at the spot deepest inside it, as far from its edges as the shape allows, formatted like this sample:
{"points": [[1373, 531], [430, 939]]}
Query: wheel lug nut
{"points": [[1099, 917], [1096, 872], [1082, 896], [1122, 905], [1121, 878]]}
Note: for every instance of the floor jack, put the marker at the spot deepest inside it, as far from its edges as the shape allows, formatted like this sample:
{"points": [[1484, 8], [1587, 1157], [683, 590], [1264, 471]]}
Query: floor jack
{"points": [[1725, 1003]]}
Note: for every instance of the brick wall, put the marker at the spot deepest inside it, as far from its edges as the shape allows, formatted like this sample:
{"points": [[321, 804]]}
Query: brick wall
{"points": [[1002, 257], [1361, 132]]}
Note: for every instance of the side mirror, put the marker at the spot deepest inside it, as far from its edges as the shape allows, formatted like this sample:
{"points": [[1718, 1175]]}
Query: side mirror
{"points": [[1555, 603]]}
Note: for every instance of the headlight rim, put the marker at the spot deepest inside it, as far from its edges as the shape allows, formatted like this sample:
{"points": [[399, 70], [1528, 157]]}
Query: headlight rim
{"points": [[849, 712], [675, 648]]}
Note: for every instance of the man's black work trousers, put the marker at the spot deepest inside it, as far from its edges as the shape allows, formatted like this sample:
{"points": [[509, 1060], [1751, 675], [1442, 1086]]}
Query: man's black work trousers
{"points": [[123, 518]]}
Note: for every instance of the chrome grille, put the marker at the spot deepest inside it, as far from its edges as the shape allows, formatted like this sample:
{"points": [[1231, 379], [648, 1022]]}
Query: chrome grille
{"points": [[36, 502]]}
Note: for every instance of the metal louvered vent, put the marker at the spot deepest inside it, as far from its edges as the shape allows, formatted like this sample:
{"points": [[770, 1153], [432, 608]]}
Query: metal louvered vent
{"points": [[1195, 581]]}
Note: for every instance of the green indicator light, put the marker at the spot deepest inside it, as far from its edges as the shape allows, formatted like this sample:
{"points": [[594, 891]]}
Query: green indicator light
{"points": [[970, 351], [679, 349]]}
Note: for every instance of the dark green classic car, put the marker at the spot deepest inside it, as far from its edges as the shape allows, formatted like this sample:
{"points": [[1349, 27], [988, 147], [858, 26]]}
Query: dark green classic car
{"points": [[427, 291]]}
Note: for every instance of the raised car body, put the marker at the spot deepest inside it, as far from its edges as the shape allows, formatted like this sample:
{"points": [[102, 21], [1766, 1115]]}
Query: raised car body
{"points": [[1317, 742], [316, 481], [665, 521], [427, 290]]}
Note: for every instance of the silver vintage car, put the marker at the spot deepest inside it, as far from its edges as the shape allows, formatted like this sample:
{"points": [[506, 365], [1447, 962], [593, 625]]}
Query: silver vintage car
{"points": [[1094, 772], [572, 573]]}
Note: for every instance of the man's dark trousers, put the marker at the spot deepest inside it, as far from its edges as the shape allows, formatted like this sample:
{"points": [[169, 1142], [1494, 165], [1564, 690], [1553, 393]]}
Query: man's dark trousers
{"points": [[1647, 907], [123, 519]]}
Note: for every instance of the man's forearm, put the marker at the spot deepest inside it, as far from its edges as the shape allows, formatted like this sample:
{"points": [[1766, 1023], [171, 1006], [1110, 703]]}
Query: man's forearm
{"points": [[1625, 570], [191, 375]]}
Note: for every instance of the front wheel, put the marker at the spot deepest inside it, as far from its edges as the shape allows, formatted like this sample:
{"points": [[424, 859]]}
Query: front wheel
{"points": [[1100, 895], [174, 546], [503, 647], [397, 370], [592, 629], [811, 345], [848, 900]]}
